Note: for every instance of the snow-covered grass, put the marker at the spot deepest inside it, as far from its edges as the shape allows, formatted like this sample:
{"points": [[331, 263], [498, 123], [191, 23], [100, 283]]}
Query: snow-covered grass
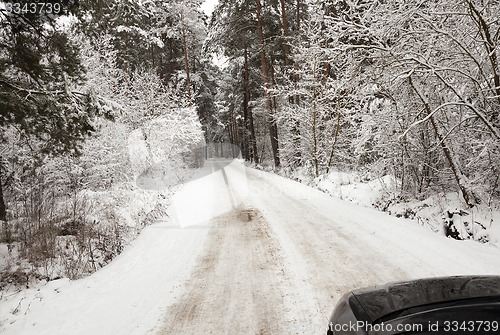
{"points": [[86, 233]]}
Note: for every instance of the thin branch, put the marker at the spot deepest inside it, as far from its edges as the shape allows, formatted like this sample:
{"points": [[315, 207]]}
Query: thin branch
{"points": [[479, 115]]}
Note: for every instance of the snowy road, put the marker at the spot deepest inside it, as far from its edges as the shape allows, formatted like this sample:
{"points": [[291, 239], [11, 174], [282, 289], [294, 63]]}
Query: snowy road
{"points": [[245, 252], [280, 259], [236, 286]]}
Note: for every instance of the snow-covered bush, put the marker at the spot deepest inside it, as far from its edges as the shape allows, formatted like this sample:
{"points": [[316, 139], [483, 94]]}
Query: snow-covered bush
{"points": [[70, 215]]}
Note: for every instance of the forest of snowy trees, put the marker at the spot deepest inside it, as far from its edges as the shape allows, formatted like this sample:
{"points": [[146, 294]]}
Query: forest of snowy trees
{"points": [[405, 88], [101, 92], [90, 99]]}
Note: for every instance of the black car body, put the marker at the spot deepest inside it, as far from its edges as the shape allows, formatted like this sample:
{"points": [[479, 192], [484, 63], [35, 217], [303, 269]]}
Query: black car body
{"points": [[448, 305]]}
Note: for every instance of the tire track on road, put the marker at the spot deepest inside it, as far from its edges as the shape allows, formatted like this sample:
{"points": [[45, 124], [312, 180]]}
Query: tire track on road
{"points": [[236, 287], [322, 253]]}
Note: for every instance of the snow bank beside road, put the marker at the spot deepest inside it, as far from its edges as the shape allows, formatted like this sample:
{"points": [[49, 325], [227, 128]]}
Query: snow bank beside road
{"points": [[130, 295], [443, 213]]}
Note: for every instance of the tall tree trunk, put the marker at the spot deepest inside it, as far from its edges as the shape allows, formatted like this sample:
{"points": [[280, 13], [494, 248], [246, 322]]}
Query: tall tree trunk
{"points": [[186, 56], [470, 198], [296, 99], [3, 215], [484, 30], [336, 136], [252, 145], [3, 208], [192, 70], [298, 16], [233, 125], [170, 59], [160, 65], [153, 57], [315, 137], [491, 50], [253, 139], [273, 128], [286, 47], [246, 98]]}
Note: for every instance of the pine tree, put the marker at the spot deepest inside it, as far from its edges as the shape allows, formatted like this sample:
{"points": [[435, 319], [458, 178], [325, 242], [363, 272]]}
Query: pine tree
{"points": [[39, 70]]}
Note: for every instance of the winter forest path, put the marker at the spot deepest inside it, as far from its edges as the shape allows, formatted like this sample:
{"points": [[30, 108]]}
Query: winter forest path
{"points": [[279, 259], [243, 252]]}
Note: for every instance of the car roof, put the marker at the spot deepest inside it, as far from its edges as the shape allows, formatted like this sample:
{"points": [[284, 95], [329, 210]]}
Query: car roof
{"points": [[379, 301]]}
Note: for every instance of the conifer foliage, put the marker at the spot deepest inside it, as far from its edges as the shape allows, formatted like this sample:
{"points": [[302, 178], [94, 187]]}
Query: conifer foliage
{"points": [[100, 101]]}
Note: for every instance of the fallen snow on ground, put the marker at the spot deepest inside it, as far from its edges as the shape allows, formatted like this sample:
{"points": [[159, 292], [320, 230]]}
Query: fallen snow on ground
{"points": [[347, 186], [481, 223], [128, 296], [304, 250]]}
